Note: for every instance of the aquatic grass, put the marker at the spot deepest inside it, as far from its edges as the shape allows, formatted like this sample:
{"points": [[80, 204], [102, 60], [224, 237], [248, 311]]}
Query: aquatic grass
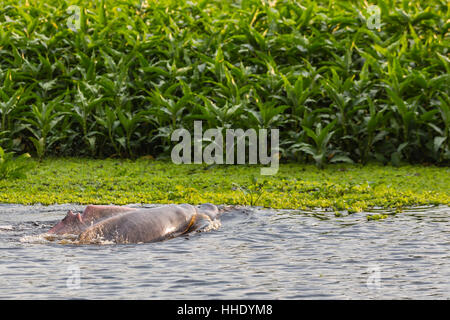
{"points": [[342, 187], [12, 167], [252, 191]]}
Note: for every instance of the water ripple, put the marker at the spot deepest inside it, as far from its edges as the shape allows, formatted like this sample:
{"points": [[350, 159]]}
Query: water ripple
{"points": [[255, 254]]}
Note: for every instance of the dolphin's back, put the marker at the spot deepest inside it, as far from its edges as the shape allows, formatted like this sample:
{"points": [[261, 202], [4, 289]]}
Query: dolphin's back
{"points": [[143, 225]]}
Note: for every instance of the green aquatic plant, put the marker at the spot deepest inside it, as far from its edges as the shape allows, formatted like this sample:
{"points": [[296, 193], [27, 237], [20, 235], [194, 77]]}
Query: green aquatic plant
{"points": [[12, 167], [41, 121], [251, 192], [343, 187], [320, 150]]}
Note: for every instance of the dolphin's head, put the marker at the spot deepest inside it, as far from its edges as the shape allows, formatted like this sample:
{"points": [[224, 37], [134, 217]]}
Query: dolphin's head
{"points": [[209, 209], [72, 223]]}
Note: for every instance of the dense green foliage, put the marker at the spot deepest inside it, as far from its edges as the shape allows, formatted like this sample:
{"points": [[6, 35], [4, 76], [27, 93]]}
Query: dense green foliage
{"points": [[13, 167], [338, 89], [338, 187]]}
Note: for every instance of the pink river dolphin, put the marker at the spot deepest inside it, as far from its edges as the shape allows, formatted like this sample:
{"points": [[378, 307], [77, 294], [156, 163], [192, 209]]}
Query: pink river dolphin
{"points": [[135, 225]]}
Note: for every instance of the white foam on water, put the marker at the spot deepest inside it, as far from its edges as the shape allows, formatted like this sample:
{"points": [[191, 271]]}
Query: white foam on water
{"points": [[71, 239], [47, 238], [213, 225], [100, 240]]}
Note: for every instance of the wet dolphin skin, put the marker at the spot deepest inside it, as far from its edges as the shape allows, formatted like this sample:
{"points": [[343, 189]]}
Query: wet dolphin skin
{"points": [[133, 225]]}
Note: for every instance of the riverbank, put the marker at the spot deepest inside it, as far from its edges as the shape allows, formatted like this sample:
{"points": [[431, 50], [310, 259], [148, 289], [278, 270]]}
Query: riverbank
{"points": [[340, 187], [115, 78]]}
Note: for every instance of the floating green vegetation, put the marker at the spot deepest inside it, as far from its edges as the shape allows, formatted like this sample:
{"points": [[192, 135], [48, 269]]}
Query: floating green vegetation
{"points": [[339, 187], [376, 217]]}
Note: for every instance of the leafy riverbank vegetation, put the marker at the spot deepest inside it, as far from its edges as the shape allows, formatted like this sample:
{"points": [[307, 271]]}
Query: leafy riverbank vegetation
{"points": [[338, 187], [342, 80]]}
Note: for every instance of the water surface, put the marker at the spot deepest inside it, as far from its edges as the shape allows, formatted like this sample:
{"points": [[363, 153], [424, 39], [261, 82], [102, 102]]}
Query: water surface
{"points": [[255, 254]]}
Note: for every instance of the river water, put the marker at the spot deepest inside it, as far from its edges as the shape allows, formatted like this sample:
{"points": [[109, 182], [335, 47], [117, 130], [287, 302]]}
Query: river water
{"points": [[255, 254]]}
